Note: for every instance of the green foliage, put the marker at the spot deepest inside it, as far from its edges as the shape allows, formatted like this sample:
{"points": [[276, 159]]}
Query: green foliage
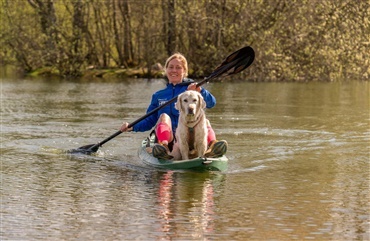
{"points": [[294, 40]]}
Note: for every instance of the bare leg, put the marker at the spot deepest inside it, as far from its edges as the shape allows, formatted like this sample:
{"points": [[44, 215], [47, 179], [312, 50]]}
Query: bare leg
{"points": [[216, 148], [211, 133], [163, 129]]}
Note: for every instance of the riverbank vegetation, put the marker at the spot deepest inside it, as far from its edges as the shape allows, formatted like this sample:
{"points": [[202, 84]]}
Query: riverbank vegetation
{"points": [[294, 40]]}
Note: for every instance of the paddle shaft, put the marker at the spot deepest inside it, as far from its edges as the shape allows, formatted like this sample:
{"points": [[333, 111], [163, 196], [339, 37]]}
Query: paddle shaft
{"points": [[144, 117]]}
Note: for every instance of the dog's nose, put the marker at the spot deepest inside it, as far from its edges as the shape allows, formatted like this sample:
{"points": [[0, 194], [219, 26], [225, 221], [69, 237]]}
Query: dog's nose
{"points": [[191, 111]]}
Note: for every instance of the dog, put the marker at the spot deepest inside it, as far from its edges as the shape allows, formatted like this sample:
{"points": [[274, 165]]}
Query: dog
{"points": [[191, 132]]}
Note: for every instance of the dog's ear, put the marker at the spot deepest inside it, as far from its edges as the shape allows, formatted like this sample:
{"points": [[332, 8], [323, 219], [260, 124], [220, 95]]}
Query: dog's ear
{"points": [[202, 102], [178, 105]]}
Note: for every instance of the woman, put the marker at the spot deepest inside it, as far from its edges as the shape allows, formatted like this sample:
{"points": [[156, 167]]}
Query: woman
{"points": [[166, 119]]}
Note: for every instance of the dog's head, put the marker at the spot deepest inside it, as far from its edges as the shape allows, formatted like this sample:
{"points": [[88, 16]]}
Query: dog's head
{"points": [[190, 103]]}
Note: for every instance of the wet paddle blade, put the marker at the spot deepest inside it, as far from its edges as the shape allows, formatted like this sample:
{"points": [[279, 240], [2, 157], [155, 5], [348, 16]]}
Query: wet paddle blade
{"points": [[87, 150]]}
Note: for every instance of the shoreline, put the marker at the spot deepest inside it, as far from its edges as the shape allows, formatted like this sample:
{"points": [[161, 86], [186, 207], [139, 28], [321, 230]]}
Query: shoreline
{"points": [[116, 73]]}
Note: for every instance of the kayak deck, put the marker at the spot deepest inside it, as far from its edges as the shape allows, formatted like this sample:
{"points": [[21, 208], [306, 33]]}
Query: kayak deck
{"points": [[199, 163]]}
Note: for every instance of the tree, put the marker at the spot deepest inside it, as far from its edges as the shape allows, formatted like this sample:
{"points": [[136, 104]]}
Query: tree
{"points": [[294, 40]]}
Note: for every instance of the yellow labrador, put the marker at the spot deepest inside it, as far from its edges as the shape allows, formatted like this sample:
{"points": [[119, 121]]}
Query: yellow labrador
{"points": [[191, 132]]}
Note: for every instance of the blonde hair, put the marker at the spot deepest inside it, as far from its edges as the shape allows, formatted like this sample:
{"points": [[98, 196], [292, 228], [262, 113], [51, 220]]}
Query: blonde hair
{"points": [[182, 59]]}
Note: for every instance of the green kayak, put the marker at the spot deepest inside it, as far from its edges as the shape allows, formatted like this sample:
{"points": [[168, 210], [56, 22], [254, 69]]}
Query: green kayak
{"points": [[199, 163]]}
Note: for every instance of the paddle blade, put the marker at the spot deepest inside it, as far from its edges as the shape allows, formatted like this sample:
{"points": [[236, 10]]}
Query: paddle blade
{"points": [[241, 65], [239, 54], [87, 150], [234, 63]]}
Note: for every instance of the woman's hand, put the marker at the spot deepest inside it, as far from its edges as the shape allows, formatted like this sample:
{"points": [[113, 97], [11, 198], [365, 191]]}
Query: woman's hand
{"points": [[193, 86], [124, 127]]}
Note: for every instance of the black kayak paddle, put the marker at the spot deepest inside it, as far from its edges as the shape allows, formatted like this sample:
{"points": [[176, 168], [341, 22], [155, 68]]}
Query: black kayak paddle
{"points": [[233, 64]]}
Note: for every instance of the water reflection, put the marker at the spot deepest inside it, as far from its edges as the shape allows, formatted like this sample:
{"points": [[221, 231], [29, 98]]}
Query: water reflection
{"points": [[186, 210]]}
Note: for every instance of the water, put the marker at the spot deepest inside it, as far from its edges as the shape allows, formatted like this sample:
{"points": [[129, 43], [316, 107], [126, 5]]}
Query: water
{"points": [[299, 165]]}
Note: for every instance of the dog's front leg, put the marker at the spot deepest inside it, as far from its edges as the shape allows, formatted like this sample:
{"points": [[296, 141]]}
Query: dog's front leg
{"points": [[176, 152], [201, 148], [185, 150]]}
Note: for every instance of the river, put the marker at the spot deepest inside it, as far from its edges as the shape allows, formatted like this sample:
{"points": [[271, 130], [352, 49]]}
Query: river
{"points": [[298, 170]]}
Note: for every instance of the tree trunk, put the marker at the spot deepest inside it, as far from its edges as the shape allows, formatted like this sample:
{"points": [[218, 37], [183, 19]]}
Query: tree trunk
{"points": [[127, 37], [171, 27], [117, 36], [48, 21]]}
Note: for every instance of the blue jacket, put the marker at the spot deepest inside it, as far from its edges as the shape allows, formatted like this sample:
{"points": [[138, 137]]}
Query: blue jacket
{"points": [[162, 96]]}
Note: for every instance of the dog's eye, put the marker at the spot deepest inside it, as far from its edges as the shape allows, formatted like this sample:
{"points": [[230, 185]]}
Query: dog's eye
{"points": [[186, 100], [194, 100]]}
